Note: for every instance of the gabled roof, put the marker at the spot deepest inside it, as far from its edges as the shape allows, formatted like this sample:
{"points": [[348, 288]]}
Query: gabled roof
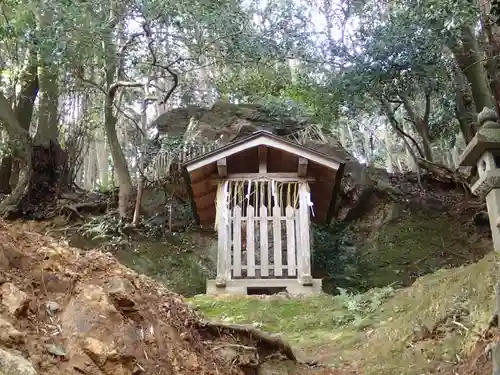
{"points": [[265, 138]]}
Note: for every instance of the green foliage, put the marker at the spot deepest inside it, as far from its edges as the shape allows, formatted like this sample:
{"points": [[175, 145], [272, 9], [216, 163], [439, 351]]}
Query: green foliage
{"points": [[359, 306], [336, 258]]}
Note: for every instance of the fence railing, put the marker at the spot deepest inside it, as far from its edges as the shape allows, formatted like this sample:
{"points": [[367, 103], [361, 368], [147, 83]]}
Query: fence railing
{"points": [[263, 232], [263, 245], [170, 162]]}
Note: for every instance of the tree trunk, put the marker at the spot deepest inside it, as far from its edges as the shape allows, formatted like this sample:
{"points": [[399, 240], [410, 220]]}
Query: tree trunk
{"points": [[426, 142], [389, 161], [420, 123], [113, 71], [492, 32], [23, 111], [102, 157], [21, 149], [142, 157], [464, 106], [354, 145], [412, 157], [120, 164], [469, 58]]}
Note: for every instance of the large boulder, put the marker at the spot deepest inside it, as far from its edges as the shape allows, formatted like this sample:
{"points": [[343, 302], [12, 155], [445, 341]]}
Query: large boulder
{"points": [[12, 363], [225, 121]]}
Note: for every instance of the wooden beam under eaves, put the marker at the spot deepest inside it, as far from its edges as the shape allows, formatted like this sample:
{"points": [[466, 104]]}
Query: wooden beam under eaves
{"points": [[222, 167], [262, 159], [302, 168]]}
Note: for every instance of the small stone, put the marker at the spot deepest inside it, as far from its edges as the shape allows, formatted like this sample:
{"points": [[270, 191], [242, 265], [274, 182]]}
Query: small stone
{"points": [[4, 261], [52, 307], [56, 350], [9, 335], [239, 354], [15, 300], [119, 290], [12, 363], [96, 350]]}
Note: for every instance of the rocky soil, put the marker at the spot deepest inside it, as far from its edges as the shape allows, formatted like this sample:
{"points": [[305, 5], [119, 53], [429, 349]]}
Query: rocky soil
{"points": [[72, 312]]}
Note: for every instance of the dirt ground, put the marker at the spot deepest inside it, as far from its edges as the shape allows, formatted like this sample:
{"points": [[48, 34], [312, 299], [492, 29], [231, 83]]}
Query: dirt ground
{"points": [[75, 312]]}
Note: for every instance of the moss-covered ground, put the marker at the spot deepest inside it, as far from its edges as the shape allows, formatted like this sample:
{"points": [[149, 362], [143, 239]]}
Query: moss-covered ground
{"points": [[416, 245], [381, 331]]}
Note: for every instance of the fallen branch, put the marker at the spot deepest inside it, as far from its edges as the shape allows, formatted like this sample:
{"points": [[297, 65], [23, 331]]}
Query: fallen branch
{"points": [[70, 210], [91, 207], [441, 172], [265, 343]]}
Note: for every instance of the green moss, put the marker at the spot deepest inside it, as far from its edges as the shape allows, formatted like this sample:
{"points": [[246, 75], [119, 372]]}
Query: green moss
{"points": [[417, 245], [374, 331], [174, 262]]}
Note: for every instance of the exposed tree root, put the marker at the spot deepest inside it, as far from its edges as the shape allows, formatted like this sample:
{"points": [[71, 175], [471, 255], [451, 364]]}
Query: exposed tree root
{"points": [[265, 343], [88, 207]]}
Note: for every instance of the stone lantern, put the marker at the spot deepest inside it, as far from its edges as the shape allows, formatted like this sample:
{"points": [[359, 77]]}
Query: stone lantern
{"points": [[483, 151]]}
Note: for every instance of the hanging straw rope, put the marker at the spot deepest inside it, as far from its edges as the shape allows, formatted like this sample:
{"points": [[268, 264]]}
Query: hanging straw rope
{"points": [[259, 190]]}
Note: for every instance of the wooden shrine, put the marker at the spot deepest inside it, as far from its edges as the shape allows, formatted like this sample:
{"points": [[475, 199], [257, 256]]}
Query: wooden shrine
{"points": [[261, 192]]}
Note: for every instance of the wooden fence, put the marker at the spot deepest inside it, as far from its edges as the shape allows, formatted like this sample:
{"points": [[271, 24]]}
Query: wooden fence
{"points": [[263, 245], [269, 242], [170, 162]]}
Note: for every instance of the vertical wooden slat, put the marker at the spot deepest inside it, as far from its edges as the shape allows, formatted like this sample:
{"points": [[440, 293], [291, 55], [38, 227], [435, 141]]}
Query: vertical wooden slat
{"points": [[250, 242], [290, 240], [229, 232], [237, 242], [304, 251], [264, 246], [222, 253], [296, 221], [278, 266]]}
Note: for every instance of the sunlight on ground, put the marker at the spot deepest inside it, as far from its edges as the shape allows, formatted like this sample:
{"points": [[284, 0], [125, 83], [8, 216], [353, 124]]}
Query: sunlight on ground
{"points": [[379, 332]]}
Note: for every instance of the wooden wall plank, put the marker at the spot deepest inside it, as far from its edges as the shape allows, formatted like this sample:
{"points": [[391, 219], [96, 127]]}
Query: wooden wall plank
{"points": [[290, 241], [237, 242], [262, 159], [264, 243], [222, 167], [304, 251], [277, 259], [250, 242], [302, 167]]}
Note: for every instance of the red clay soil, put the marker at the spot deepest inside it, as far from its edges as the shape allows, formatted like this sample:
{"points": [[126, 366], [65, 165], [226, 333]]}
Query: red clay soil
{"points": [[71, 312]]}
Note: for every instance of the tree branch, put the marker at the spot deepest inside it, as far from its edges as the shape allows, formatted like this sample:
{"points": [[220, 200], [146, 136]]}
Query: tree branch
{"points": [[427, 112], [116, 85], [395, 124], [90, 82], [121, 53], [409, 108], [175, 77]]}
